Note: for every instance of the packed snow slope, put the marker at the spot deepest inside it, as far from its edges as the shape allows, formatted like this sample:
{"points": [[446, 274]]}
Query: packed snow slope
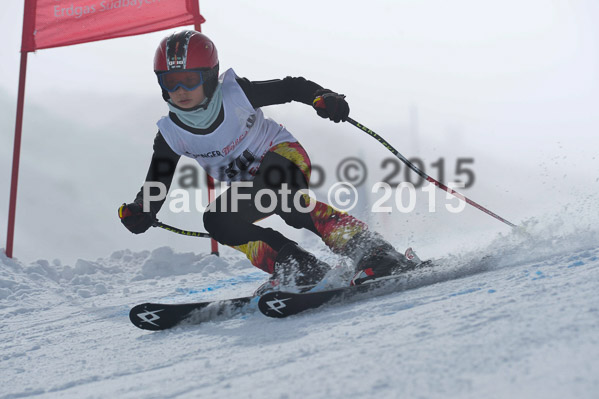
{"points": [[521, 324]]}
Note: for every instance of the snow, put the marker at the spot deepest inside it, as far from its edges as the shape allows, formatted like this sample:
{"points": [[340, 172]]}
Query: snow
{"points": [[520, 323]]}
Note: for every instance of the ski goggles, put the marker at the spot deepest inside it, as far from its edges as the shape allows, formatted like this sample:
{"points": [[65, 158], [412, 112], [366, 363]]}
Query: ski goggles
{"points": [[188, 80]]}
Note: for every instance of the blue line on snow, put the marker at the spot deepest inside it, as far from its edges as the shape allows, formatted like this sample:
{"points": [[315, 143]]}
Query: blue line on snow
{"points": [[228, 282], [575, 264], [468, 291]]}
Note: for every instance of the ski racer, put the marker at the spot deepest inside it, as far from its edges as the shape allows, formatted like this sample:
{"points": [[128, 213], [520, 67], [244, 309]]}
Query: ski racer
{"points": [[218, 121]]}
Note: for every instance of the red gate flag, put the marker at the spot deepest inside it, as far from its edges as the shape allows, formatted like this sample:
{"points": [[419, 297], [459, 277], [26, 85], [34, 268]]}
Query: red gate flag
{"points": [[55, 23]]}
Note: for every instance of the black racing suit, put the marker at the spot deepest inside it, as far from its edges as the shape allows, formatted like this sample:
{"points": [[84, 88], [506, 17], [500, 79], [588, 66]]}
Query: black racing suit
{"points": [[236, 228]]}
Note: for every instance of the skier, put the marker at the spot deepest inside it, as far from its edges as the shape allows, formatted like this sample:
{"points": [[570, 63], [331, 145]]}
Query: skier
{"points": [[219, 122]]}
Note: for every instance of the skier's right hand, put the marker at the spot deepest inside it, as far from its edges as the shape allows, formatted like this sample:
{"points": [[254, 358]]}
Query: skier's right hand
{"points": [[135, 219], [329, 104]]}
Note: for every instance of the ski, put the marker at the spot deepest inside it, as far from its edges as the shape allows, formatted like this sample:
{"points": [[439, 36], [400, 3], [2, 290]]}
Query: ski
{"points": [[281, 304], [158, 316]]}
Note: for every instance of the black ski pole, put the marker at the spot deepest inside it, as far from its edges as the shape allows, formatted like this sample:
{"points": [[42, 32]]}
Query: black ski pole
{"points": [[157, 223], [424, 175]]}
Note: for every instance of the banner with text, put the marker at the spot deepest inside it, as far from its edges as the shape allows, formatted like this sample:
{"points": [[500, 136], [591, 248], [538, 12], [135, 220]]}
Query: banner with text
{"points": [[55, 23]]}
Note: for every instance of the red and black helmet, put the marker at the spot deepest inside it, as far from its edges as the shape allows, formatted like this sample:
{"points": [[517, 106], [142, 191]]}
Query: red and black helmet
{"points": [[188, 50]]}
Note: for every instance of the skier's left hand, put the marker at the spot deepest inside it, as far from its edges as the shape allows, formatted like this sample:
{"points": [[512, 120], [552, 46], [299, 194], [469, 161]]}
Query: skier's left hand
{"points": [[329, 104]]}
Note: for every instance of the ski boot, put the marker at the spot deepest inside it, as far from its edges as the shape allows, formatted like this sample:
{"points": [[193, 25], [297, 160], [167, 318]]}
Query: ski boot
{"points": [[375, 258], [295, 270]]}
